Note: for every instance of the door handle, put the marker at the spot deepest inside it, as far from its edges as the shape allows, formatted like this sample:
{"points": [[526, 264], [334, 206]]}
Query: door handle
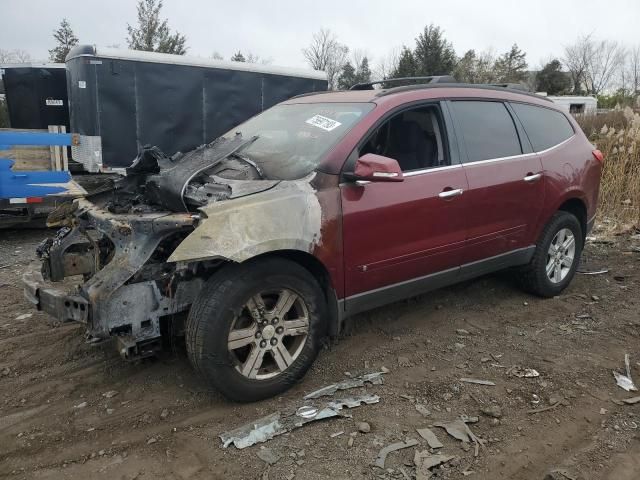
{"points": [[450, 193], [532, 177]]}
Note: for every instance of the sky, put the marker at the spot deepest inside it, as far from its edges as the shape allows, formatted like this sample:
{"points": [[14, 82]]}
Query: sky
{"points": [[279, 29]]}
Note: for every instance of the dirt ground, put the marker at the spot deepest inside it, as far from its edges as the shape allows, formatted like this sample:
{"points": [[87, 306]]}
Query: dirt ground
{"points": [[164, 422]]}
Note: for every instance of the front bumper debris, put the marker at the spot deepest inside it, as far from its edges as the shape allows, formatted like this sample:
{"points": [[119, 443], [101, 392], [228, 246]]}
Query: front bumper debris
{"points": [[123, 289], [55, 302]]}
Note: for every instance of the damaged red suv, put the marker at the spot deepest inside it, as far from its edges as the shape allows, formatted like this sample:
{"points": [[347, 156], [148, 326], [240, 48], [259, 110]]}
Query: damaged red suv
{"points": [[258, 245]]}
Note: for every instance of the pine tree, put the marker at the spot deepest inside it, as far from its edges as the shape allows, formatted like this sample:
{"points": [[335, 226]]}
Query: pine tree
{"points": [[552, 79], [152, 34], [363, 74], [511, 67], [434, 55], [406, 64], [238, 57], [65, 39], [347, 77]]}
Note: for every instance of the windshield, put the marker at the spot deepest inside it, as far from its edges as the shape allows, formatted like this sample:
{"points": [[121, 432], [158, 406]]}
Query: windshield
{"points": [[290, 140]]}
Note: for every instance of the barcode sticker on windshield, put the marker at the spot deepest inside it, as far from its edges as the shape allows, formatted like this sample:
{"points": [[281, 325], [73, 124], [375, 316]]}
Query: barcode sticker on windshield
{"points": [[323, 122]]}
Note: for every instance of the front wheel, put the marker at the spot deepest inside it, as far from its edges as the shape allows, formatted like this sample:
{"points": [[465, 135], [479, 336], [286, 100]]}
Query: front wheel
{"points": [[255, 328], [556, 257]]}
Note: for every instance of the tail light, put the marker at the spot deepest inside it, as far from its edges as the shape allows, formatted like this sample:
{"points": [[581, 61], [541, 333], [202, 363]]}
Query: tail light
{"points": [[597, 154]]}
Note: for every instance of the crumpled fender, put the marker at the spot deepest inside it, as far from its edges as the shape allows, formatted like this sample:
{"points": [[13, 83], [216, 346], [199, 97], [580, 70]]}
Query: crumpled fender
{"points": [[285, 217]]}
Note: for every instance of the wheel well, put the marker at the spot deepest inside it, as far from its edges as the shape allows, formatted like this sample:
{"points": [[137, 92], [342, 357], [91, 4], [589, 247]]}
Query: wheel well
{"points": [[320, 273], [577, 207]]}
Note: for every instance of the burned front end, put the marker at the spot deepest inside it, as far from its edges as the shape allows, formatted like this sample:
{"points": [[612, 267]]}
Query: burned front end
{"points": [[112, 250]]}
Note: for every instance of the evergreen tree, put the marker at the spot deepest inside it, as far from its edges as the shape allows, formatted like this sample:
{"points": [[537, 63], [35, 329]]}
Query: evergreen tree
{"points": [[347, 77], [552, 79], [434, 55], [511, 67], [153, 34], [363, 74], [238, 57], [406, 65], [65, 40], [465, 71]]}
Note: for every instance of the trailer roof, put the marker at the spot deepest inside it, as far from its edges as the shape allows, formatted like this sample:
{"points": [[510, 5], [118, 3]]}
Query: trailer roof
{"points": [[32, 65], [155, 57]]}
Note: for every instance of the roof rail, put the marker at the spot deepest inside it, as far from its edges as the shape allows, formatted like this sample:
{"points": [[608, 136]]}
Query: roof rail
{"points": [[430, 79], [483, 86]]}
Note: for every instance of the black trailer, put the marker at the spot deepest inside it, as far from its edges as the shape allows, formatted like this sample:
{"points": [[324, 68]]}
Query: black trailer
{"points": [[120, 99], [36, 95]]}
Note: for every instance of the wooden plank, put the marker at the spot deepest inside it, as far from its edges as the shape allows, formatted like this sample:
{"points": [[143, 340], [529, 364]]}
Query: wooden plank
{"points": [[52, 156], [65, 158]]}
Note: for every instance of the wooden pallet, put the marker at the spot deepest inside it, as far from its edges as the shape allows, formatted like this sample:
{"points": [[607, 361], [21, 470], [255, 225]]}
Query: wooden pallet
{"points": [[37, 158]]}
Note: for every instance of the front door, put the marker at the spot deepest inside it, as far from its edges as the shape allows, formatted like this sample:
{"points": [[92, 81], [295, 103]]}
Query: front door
{"points": [[397, 235]]}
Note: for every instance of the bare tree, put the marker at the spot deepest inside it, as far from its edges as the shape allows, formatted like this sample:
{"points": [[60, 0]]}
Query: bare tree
{"points": [[217, 55], [632, 70], [607, 56], [576, 59], [387, 64], [251, 57], [327, 54], [14, 56], [592, 63]]}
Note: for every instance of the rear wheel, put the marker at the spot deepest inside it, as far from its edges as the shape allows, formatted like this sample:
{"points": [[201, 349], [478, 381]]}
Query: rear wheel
{"points": [[556, 257], [255, 328]]}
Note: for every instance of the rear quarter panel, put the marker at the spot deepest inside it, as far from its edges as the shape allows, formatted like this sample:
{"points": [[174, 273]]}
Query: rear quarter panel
{"points": [[571, 171]]}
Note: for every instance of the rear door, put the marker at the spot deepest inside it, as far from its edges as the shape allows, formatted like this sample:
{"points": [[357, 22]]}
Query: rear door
{"points": [[506, 185]]}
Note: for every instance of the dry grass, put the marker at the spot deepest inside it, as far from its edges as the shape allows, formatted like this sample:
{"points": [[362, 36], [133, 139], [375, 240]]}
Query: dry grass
{"points": [[617, 136]]}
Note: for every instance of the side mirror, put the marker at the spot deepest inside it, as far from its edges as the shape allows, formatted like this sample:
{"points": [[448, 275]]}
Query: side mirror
{"points": [[377, 168]]}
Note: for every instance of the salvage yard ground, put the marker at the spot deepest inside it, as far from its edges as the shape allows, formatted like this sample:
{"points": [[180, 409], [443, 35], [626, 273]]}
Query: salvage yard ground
{"points": [[69, 410]]}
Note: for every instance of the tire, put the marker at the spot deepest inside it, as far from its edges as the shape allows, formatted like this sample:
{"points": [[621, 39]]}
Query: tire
{"points": [[534, 278], [229, 302]]}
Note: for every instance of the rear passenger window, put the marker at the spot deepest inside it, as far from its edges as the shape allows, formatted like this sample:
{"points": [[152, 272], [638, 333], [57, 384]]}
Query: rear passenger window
{"points": [[545, 128], [487, 129]]}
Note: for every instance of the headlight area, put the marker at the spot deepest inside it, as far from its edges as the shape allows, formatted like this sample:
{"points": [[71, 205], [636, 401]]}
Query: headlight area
{"points": [[131, 292]]}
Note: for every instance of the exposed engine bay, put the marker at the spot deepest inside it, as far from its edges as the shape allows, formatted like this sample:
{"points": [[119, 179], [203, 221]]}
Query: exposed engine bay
{"points": [[117, 242]]}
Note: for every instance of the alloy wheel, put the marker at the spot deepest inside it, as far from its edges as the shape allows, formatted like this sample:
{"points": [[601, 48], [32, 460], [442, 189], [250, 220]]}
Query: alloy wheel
{"points": [[269, 333], [561, 255]]}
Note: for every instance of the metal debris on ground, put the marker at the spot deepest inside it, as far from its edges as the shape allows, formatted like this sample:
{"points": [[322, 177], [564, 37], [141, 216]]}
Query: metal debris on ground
{"points": [[478, 382], [430, 437], [624, 381], [425, 460], [382, 455], [593, 272], [632, 400], [372, 378], [521, 372], [277, 423], [459, 430]]}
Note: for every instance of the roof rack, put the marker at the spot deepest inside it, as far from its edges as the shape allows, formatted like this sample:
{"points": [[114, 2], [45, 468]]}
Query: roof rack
{"points": [[509, 87], [429, 80]]}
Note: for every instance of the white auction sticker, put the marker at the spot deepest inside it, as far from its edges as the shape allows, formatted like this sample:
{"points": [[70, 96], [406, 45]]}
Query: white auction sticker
{"points": [[82, 84], [323, 122]]}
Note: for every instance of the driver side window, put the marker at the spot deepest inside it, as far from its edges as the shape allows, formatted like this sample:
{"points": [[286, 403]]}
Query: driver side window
{"points": [[414, 138]]}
